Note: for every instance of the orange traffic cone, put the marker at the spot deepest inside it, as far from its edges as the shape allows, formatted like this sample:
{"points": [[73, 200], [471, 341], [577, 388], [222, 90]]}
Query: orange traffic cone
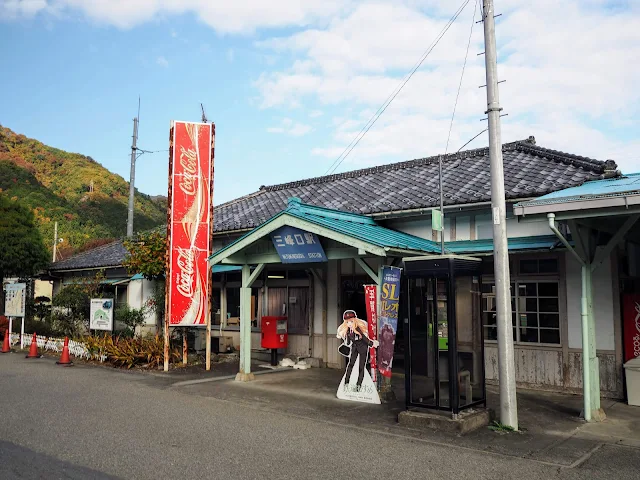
{"points": [[64, 358], [33, 351], [6, 346]]}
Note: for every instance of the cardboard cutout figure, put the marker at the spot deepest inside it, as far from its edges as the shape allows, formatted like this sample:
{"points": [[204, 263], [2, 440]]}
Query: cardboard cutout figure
{"points": [[356, 384]]}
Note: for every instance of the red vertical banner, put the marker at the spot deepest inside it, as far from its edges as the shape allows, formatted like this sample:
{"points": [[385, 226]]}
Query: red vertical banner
{"points": [[189, 223], [371, 300], [631, 327]]}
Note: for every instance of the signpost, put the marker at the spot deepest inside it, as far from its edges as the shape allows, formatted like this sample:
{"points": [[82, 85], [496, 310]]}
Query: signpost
{"points": [[297, 246], [189, 229], [14, 306]]}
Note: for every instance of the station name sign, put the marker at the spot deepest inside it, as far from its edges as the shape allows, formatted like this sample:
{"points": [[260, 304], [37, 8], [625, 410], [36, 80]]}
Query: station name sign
{"points": [[297, 246]]}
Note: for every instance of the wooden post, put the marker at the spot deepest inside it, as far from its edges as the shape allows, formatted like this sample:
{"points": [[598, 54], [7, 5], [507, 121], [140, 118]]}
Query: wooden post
{"points": [[185, 345]]}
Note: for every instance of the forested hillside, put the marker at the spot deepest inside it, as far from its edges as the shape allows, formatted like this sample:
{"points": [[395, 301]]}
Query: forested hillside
{"points": [[88, 201]]}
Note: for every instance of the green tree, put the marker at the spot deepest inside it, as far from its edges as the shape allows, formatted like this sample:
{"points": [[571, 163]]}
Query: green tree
{"points": [[22, 251], [147, 255]]}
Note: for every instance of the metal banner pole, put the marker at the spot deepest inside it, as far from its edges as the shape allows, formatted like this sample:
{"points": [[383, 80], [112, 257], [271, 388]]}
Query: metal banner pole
{"points": [[22, 334]]}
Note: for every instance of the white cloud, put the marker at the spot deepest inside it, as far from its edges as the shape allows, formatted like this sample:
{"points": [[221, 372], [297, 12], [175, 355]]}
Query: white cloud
{"points": [[240, 16], [289, 127], [315, 113], [163, 62], [570, 78]]}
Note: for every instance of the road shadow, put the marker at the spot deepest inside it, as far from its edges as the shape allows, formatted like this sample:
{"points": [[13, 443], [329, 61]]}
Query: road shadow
{"points": [[24, 463]]}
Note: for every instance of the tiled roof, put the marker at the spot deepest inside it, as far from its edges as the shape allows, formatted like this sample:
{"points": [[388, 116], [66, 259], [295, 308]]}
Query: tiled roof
{"points": [[109, 255], [529, 171]]}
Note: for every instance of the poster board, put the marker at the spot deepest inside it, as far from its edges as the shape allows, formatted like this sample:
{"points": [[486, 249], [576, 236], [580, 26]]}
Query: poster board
{"points": [[101, 314], [14, 304]]}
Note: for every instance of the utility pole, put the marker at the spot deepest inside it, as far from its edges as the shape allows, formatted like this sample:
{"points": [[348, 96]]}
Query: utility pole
{"points": [[506, 364], [55, 240], [132, 178]]}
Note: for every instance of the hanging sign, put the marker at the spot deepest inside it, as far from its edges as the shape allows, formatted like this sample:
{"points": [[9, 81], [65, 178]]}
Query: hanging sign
{"points": [[101, 314], [15, 299], [631, 329], [297, 246], [356, 383], [190, 222], [389, 305], [371, 301]]}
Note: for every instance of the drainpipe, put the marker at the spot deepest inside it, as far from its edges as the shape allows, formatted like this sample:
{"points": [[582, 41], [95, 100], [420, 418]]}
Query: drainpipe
{"points": [[584, 317]]}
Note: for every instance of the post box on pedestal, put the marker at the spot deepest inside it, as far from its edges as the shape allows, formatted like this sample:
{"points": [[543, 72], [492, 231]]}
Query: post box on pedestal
{"points": [[274, 335]]}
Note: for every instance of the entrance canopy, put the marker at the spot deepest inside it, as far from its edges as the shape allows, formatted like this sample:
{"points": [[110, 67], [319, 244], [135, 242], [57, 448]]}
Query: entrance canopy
{"points": [[319, 235], [345, 235], [599, 215]]}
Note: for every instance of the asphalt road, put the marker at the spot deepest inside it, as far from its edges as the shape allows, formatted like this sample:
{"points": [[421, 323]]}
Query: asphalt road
{"points": [[88, 422]]}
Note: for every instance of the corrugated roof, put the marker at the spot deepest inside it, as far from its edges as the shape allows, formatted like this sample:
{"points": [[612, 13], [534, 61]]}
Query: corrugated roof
{"points": [[610, 187], [515, 244], [529, 171]]}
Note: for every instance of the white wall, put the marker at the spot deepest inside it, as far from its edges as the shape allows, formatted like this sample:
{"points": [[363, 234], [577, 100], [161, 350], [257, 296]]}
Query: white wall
{"points": [[138, 293], [602, 287], [463, 227]]}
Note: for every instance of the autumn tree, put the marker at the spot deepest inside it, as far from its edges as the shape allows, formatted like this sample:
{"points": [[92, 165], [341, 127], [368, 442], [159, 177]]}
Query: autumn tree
{"points": [[22, 251]]}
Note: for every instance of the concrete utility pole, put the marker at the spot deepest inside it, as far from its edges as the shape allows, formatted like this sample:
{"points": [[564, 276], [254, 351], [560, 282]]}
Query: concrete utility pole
{"points": [[55, 240], [132, 178], [506, 364]]}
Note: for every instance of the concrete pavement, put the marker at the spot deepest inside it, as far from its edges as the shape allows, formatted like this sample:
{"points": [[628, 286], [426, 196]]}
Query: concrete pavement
{"points": [[88, 422]]}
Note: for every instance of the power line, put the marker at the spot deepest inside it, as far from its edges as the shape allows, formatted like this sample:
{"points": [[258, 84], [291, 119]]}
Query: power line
{"points": [[464, 65], [395, 93]]}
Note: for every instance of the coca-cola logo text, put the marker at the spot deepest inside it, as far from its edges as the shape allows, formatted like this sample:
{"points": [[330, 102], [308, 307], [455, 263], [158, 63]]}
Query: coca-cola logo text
{"points": [[189, 162], [186, 260]]}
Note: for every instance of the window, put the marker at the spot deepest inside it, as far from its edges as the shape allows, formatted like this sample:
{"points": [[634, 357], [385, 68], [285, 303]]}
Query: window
{"points": [[538, 266], [535, 314]]}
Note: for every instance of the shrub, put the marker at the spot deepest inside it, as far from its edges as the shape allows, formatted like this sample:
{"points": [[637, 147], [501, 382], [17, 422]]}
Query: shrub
{"points": [[130, 352], [131, 317], [4, 324]]}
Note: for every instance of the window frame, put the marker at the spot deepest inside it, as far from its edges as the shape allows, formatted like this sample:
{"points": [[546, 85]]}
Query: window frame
{"points": [[517, 279]]}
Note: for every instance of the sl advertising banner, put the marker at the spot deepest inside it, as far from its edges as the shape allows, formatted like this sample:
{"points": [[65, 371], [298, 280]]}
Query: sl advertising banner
{"points": [[631, 330], [371, 300], [389, 309], [190, 222]]}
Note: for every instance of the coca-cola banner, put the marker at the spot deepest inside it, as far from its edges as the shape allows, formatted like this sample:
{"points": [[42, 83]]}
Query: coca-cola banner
{"points": [[389, 309], [631, 330], [190, 219], [371, 301]]}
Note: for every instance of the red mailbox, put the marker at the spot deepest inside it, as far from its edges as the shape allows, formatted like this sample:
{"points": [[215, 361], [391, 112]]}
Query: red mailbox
{"points": [[274, 332]]}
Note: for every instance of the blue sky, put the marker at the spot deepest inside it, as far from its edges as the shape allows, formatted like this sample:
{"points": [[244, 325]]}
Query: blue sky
{"points": [[290, 85]]}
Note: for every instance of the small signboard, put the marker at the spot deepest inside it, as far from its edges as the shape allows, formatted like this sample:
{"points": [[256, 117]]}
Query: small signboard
{"points": [[15, 299], [101, 314], [297, 246]]}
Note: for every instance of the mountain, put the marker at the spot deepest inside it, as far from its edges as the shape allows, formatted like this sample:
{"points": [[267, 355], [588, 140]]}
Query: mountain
{"points": [[87, 200]]}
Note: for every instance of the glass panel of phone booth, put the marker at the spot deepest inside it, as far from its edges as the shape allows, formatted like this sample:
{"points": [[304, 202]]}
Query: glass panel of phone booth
{"points": [[442, 295], [422, 341], [469, 339]]}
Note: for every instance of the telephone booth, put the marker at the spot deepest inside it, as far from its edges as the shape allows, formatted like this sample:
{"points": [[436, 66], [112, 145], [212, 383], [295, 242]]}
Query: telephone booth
{"points": [[444, 342]]}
